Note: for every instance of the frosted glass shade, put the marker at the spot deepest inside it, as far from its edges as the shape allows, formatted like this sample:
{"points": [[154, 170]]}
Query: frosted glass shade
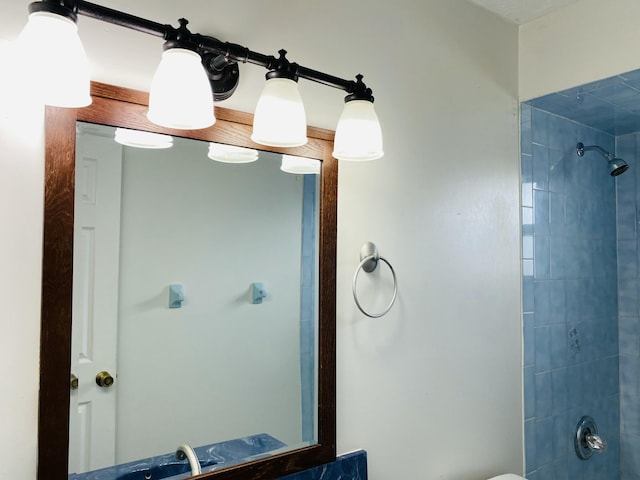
{"points": [[358, 134], [180, 96], [140, 139], [54, 60], [231, 153], [300, 165], [279, 119]]}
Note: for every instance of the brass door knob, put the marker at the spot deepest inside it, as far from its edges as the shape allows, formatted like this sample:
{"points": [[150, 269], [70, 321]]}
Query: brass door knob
{"points": [[104, 379], [73, 382]]}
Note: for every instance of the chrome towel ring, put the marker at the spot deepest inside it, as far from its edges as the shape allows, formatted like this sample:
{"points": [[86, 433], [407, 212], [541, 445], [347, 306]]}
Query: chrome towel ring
{"points": [[369, 258]]}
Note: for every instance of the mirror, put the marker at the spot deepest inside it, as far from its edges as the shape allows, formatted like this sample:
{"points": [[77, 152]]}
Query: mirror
{"points": [[117, 107]]}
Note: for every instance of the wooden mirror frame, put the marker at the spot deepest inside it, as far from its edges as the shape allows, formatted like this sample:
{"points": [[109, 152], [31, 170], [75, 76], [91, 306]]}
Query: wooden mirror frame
{"points": [[127, 108]]}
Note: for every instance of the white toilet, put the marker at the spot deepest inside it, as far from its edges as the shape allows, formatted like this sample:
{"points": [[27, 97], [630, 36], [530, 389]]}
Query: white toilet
{"points": [[508, 476]]}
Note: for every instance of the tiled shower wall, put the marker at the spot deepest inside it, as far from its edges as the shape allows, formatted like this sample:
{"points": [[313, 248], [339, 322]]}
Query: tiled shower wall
{"points": [[627, 147], [569, 298]]}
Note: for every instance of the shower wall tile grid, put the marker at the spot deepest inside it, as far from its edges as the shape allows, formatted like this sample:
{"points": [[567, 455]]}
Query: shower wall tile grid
{"points": [[569, 297]]}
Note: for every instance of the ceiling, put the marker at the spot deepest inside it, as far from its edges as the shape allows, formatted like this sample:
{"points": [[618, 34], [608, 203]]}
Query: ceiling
{"points": [[522, 11]]}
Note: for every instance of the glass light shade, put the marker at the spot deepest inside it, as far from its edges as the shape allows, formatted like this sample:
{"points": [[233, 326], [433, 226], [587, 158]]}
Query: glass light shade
{"points": [[279, 119], [140, 139], [231, 153], [358, 134], [55, 60], [180, 96], [300, 165]]}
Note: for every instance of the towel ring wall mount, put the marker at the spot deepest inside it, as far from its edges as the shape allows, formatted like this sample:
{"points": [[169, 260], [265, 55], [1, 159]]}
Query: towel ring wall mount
{"points": [[369, 259]]}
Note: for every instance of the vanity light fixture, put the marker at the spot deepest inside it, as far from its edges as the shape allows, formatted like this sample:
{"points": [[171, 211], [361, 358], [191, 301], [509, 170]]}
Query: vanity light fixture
{"points": [[358, 135], [181, 95], [280, 120], [50, 43], [140, 139], [196, 70], [231, 153], [300, 165]]}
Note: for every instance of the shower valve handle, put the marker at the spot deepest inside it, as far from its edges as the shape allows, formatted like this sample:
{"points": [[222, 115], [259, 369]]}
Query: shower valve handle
{"points": [[595, 442]]}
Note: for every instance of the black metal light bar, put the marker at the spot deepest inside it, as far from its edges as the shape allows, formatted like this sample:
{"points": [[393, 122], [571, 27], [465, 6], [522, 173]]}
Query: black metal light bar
{"points": [[219, 57]]}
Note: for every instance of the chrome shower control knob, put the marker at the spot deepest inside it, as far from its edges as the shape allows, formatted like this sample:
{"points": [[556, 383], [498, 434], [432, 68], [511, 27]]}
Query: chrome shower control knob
{"points": [[586, 440]]}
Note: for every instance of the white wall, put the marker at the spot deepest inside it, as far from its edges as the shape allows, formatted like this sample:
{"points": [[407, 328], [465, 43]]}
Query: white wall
{"points": [[432, 390], [584, 42]]}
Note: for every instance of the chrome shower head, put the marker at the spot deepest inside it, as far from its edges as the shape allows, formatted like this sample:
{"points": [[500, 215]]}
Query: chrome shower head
{"points": [[616, 165]]}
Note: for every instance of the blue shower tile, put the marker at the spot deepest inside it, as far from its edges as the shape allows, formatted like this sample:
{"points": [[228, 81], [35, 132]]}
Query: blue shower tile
{"points": [[527, 294], [527, 246], [526, 137], [606, 331], [559, 353], [529, 392], [562, 134], [630, 456], [571, 214], [578, 261], [560, 398], [531, 462], [628, 301], [557, 302], [627, 220], [545, 472], [529, 355], [557, 257], [542, 267], [541, 212], [527, 268], [607, 376], [540, 127], [575, 296], [561, 436], [543, 348], [540, 167], [560, 469], [527, 220], [557, 213], [544, 395], [527, 180], [544, 443], [574, 383], [629, 336], [556, 171], [627, 259], [542, 302]]}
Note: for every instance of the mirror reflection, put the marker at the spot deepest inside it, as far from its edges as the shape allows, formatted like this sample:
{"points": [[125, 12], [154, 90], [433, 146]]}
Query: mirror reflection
{"points": [[194, 299]]}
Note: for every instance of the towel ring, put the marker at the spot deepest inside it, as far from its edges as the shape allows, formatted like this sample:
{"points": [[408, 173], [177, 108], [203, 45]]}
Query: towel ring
{"points": [[369, 258]]}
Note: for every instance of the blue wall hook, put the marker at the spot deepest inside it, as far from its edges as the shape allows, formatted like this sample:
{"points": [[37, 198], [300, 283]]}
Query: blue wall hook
{"points": [[176, 296], [257, 292]]}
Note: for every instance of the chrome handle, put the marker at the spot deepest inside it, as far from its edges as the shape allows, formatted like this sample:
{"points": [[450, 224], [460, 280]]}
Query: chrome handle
{"points": [[73, 383], [104, 379], [596, 443]]}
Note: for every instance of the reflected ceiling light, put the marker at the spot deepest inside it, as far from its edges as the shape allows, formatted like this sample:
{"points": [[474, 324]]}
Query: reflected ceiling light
{"points": [[196, 70], [280, 120], [358, 134], [140, 139], [231, 153], [49, 44], [300, 165], [180, 95]]}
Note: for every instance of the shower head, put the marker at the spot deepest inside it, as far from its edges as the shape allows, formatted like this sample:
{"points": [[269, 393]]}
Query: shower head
{"points": [[616, 165]]}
